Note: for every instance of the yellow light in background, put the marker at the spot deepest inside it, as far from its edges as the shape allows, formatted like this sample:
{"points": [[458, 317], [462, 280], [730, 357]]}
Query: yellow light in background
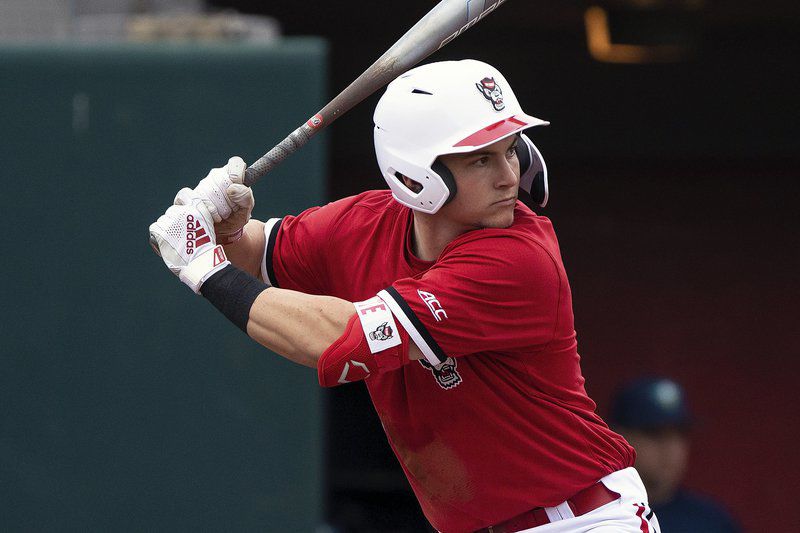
{"points": [[602, 47]]}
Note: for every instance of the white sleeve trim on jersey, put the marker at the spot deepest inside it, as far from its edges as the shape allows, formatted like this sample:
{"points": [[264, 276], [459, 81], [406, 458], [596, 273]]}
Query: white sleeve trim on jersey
{"points": [[412, 331], [269, 226]]}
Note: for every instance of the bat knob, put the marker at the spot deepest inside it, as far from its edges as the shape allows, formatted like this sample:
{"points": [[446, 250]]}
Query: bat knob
{"points": [[154, 244]]}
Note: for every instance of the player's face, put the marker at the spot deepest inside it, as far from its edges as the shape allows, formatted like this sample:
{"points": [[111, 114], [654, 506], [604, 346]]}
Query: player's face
{"points": [[661, 459], [487, 181]]}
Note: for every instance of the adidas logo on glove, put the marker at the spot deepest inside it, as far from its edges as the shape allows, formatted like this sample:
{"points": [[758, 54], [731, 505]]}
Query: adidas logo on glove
{"points": [[196, 236]]}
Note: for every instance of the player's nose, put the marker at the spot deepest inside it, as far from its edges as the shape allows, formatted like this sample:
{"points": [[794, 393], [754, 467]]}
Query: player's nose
{"points": [[509, 173]]}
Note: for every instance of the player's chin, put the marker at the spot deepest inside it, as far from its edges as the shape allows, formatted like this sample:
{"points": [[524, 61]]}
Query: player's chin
{"points": [[500, 220]]}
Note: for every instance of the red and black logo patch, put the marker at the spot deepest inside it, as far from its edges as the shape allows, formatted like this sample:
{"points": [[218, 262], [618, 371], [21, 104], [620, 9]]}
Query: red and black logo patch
{"points": [[492, 92], [382, 333], [446, 373]]}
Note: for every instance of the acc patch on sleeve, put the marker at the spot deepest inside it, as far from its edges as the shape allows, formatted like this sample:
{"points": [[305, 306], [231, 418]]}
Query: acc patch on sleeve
{"points": [[378, 324]]}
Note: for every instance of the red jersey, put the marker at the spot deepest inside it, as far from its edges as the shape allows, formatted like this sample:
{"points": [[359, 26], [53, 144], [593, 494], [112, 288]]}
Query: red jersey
{"points": [[495, 420]]}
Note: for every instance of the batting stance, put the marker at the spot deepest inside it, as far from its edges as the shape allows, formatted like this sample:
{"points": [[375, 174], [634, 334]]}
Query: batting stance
{"points": [[445, 295]]}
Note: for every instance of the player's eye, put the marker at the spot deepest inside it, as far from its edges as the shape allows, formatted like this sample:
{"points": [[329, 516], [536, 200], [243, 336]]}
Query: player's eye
{"points": [[482, 162]]}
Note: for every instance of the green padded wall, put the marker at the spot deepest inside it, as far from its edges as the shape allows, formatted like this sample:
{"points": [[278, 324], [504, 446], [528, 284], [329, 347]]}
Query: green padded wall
{"points": [[129, 403]]}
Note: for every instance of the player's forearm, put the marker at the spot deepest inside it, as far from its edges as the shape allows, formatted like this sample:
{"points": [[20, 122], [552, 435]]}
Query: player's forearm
{"points": [[298, 326], [247, 252]]}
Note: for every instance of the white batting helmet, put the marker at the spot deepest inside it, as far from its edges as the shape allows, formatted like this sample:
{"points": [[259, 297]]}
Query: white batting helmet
{"points": [[445, 108]]}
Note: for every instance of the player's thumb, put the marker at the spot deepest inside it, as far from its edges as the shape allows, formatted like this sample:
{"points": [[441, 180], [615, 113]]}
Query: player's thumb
{"points": [[236, 167], [241, 196], [184, 197]]}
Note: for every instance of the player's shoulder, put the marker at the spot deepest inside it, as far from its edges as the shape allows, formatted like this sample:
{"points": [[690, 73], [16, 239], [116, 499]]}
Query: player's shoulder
{"points": [[361, 210], [533, 227], [375, 202], [530, 237]]}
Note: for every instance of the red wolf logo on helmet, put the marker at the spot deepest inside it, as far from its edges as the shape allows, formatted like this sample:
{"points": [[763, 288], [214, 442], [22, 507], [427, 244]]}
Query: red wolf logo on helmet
{"points": [[491, 91], [382, 333]]}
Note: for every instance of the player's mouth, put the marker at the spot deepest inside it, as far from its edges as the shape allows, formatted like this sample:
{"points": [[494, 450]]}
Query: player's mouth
{"points": [[506, 201]]}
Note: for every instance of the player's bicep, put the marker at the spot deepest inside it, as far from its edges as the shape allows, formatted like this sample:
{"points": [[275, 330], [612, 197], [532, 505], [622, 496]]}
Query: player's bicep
{"points": [[295, 251]]}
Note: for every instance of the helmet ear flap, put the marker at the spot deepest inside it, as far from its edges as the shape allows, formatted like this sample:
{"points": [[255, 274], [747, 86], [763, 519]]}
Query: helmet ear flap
{"points": [[523, 155], [448, 179], [532, 171]]}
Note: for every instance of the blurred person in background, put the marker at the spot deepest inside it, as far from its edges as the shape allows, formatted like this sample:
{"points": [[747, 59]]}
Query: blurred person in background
{"points": [[653, 415]]}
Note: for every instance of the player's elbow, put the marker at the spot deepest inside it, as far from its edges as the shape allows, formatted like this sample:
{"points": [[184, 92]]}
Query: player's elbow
{"points": [[324, 330]]}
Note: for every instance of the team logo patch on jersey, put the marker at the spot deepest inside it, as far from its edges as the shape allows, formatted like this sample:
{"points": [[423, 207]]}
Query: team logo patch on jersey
{"points": [[383, 332], [446, 373], [492, 92]]}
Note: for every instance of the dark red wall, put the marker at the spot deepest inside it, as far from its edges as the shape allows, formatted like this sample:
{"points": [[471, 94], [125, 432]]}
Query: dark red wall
{"points": [[700, 286]]}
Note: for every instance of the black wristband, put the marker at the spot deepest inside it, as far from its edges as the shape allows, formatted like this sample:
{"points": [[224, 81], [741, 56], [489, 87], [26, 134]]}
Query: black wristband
{"points": [[233, 292]]}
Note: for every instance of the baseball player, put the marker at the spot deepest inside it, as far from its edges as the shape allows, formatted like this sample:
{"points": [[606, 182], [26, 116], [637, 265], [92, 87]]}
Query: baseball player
{"points": [[446, 295], [652, 413]]}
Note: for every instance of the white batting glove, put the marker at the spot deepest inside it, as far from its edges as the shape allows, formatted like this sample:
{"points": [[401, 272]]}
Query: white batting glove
{"points": [[231, 202], [184, 238]]}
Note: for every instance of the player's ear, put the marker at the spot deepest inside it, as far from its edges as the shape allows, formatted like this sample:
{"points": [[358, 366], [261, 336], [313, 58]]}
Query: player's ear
{"points": [[413, 186]]}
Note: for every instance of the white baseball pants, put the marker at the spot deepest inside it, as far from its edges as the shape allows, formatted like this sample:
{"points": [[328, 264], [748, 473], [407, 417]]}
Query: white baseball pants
{"points": [[628, 514]]}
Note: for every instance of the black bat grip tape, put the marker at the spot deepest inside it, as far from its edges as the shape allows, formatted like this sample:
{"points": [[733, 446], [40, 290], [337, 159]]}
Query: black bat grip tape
{"points": [[274, 157]]}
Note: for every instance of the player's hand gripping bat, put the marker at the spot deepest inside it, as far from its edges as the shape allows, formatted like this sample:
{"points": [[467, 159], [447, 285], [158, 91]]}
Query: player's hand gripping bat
{"points": [[442, 24]]}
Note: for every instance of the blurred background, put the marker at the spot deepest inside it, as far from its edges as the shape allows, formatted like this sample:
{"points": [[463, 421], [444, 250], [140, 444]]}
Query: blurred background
{"points": [[125, 404]]}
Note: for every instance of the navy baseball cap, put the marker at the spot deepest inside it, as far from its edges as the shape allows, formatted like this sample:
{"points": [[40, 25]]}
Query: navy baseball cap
{"points": [[650, 403]]}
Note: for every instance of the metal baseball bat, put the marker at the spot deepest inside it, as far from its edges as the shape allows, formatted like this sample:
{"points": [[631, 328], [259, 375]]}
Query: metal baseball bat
{"points": [[446, 21]]}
